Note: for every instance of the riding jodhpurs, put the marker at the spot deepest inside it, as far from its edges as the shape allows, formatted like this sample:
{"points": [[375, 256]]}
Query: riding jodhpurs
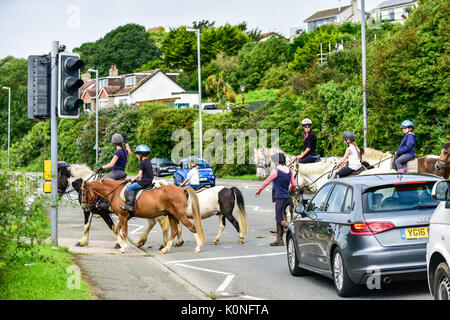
{"points": [[280, 206], [400, 162], [116, 175], [345, 171], [308, 159]]}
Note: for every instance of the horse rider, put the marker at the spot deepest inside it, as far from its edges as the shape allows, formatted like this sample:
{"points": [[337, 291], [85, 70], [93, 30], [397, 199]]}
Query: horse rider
{"points": [[352, 156], [119, 160], [406, 151], [281, 177], [142, 180], [193, 176], [308, 154]]}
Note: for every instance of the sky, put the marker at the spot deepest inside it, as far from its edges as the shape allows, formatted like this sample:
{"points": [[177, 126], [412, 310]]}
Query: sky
{"points": [[28, 27]]}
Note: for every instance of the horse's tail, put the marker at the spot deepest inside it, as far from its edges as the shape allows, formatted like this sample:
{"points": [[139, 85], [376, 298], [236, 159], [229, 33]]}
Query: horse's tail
{"points": [[242, 215], [195, 207]]}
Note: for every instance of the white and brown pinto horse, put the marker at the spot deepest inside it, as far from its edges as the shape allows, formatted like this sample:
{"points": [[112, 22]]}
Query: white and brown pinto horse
{"points": [[166, 200], [74, 175], [220, 201]]}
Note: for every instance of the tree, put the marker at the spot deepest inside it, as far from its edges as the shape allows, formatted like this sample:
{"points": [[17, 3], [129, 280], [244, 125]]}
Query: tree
{"points": [[219, 91], [128, 47]]}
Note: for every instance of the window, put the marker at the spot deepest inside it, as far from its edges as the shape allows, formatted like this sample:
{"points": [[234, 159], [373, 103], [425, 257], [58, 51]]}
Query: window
{"points": [[391, 14], [337, 198], [400, 196], [123, 101], [317, 203], [130, 81], [348, 204], [102, 83], [103, 103]]}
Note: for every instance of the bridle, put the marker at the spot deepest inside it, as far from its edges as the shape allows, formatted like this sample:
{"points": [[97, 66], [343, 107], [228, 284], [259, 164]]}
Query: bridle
{"points": [[444, 162], [87, 205]]}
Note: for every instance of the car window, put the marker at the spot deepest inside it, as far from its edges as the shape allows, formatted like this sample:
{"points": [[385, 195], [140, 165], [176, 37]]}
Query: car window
{"points": [[348, 199], [337, 198], [202, 164], [317, 203], [400, 196]]}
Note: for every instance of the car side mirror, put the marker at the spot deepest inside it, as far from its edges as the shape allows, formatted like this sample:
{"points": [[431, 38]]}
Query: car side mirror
{"points": [[300, 209], [440, 191]]}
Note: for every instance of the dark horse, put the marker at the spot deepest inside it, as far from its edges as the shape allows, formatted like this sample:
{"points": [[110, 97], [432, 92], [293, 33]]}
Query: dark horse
{"points": [[65, 178]]}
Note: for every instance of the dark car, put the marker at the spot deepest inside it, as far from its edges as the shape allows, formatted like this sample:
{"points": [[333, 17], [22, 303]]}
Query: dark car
{"points": [[207, 176], [163, 166], [364, 230]]}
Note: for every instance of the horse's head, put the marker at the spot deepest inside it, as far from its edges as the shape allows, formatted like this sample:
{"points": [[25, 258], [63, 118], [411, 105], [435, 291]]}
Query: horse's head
{"points": [[88, 196], [63, 179], [444, 160]]}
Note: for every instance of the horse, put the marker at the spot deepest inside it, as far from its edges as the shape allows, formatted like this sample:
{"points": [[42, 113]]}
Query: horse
{"points": [[167, 200], [74, 175], [264, 163], [443, 163], [218, 200]]}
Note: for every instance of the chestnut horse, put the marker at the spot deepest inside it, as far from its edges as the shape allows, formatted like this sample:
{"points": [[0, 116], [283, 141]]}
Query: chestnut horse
{"points": [[443, 163], [167, 200]]}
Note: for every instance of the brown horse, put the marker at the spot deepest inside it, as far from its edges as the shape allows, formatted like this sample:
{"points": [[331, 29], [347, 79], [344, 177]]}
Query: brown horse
{"points": [[168, 200], [443, 163]]}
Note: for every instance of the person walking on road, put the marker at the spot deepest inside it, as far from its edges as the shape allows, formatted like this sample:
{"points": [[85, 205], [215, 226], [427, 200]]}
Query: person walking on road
{"points": [[407, 146], [142, 180], [119, 160], [308, 154], [281, 177]]}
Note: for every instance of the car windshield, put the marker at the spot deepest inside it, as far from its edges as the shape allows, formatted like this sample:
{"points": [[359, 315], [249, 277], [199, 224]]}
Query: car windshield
{"points": [[400, 196], [202, 164], [165, 161]]}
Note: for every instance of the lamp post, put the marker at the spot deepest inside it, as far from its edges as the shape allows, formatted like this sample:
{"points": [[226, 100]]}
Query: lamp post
{"points": [[9, 119], [199, 88], [96, 113], [364, 76]]}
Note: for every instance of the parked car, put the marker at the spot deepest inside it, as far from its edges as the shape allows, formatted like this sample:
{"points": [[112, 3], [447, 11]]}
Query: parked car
{"points": [[438, 248], [358, 226], [163, 166], [212, 107], [207, 176]]}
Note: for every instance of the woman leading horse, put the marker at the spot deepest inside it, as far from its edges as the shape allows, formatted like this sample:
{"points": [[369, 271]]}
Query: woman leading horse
{"points": [[169, 199]]}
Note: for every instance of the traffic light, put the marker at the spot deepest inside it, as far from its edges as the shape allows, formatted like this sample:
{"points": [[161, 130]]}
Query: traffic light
{"points": [[70, 83], [39, 85]]}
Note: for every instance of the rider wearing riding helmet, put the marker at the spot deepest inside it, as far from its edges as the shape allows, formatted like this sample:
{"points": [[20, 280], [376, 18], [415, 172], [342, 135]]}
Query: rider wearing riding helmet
{"points": [[406, 151], [119, 160], [281, 177], [142, 180], [352, 156], [193, 176], [309, 143]]}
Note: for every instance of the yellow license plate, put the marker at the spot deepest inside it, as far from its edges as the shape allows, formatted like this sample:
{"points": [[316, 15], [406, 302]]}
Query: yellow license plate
{"points": [[415, 233]]}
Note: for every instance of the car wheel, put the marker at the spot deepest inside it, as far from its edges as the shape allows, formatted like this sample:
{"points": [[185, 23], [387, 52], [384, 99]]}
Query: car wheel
{"points": [[342, 282], [293, 258], [442, 282]]}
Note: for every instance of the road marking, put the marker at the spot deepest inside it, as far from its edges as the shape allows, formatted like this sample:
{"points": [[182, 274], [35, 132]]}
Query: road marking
{"points": [[225, 283], [256, 208], [229, 258]]}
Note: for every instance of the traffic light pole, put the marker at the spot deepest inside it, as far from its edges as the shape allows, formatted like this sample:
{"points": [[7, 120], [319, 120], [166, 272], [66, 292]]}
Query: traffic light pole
{"points": [[54, 142]]}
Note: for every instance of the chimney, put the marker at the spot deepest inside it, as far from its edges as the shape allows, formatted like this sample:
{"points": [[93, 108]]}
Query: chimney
{"points": [[86, 76], [113, 71]]}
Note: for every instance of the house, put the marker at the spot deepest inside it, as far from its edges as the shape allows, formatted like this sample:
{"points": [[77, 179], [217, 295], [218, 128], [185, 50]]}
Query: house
{"points": [[135, 88], [268, 35], [295, 32], [393, 10], [349, 13]]}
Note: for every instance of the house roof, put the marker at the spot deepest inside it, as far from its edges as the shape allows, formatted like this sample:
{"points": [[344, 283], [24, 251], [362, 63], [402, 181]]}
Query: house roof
{"points": [[268, 34], [393, 3], [326, 13]]}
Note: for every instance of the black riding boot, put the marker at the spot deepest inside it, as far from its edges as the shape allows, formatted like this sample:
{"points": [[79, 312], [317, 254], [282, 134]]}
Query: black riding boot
{"points": [[130, 196], [279, 241]]}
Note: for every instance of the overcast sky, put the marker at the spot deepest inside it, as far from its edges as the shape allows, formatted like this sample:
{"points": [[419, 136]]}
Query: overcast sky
{"points": [[29, 26]]}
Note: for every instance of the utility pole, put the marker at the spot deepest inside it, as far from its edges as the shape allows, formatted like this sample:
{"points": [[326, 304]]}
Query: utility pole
{"points": [[9, 120], [54, 142], [364, 75]]}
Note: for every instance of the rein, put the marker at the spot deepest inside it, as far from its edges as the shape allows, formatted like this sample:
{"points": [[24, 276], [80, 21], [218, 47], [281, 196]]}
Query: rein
{"points": [[105, 197]]}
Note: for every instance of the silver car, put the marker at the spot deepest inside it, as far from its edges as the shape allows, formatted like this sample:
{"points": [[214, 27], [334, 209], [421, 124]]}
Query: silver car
{"points": [[364, 230]]}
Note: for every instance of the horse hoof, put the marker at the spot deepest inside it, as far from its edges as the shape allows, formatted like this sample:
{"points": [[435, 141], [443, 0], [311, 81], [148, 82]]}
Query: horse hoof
{"points": [[241, 241], [214, 243], [162, 251], [179, 244], [77, 244], [196, 250], [117, 246]]}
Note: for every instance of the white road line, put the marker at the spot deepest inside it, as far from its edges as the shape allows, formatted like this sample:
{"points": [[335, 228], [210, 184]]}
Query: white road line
{"points": [[229, 258], [203, 269], [225, 284]]}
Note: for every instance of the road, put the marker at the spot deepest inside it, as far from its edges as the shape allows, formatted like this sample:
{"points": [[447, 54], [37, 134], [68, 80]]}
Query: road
{"points": [[253, 270]]}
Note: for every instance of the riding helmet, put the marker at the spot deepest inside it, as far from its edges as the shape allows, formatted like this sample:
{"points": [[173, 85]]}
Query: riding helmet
{"points": [[142, 150], [117, 138], [407, 124], [278, 157], [350, 135], [306, 122]]}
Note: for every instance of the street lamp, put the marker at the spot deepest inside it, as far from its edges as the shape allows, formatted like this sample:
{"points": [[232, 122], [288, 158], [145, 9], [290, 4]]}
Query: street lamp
{"points": [[364, 76], [199, 88], [9, 119], [96, 113]]}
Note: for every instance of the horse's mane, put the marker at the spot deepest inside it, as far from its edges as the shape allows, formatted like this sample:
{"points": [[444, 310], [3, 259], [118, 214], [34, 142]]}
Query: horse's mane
{"points": [[373, 154], [80, 171]]}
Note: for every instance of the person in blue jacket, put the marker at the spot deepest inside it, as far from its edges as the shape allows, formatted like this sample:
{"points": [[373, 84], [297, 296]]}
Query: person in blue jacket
{"points": [[407, 146]]}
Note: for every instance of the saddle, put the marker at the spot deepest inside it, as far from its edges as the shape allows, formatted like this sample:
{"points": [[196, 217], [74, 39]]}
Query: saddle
{"points": [[153, 186], [317, 159]]}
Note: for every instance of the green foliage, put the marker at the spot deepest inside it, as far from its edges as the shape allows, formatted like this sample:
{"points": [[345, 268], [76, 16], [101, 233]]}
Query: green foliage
{"points": [[276, 77], [254, 59], [128, 47]]}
